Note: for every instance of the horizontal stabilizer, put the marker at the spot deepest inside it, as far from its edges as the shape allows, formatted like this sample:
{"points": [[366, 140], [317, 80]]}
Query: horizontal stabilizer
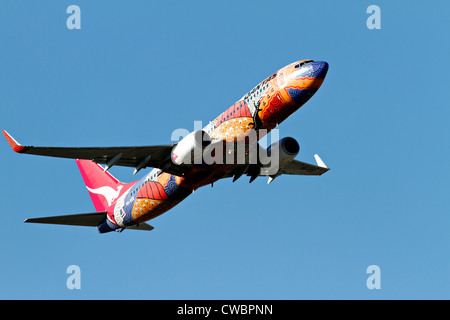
{"points": [[141, 226], [83, 219]]}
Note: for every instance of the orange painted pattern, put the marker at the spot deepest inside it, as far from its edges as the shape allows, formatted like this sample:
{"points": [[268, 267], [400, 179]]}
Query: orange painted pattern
{"points": [[14, 145]]}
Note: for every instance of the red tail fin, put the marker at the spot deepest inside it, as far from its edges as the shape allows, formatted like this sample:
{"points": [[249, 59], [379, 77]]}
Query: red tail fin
{"points": [[102, 186]]}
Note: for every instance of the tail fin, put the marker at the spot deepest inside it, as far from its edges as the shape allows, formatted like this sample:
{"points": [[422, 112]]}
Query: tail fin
{"points": [[102, 186]]}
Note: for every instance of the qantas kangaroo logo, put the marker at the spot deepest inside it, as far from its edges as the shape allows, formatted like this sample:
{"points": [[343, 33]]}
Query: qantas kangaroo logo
{"points": [[109, 193]]}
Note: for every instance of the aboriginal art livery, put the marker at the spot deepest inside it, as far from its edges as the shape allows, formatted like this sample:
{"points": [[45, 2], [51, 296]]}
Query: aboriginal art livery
{"points": [[181, 168]]}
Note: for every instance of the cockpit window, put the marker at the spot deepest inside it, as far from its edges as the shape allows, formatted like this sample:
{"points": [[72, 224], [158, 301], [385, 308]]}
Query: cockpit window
{"points": [[302, 63]]}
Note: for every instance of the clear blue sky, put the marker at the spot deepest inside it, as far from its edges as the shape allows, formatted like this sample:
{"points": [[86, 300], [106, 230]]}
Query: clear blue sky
{"points": [[137, 70]]}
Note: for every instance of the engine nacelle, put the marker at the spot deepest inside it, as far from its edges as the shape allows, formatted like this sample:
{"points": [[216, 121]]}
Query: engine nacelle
{"points": [[286, 148], [190, 149]]}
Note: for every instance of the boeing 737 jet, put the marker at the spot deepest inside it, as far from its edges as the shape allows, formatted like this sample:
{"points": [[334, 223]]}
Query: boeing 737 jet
{"points": [[201, 158]]}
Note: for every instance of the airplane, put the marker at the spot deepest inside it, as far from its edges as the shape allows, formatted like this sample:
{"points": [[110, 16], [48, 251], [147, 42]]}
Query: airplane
{"points": [[177, 170]]}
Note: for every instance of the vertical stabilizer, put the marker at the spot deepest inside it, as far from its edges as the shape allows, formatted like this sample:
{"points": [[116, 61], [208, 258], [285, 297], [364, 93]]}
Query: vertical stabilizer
{"points": [[102, 186]]}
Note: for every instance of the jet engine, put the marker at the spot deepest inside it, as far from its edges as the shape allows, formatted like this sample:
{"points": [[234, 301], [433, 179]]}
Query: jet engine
{"points": [[190, 149], [286, 148]]}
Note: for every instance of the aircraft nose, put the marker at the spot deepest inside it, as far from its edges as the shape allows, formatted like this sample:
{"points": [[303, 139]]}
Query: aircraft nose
{"points": [[319, 69]]}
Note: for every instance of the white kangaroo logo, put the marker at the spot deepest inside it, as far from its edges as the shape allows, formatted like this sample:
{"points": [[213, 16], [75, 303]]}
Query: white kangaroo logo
{"points": [[109, 193]]}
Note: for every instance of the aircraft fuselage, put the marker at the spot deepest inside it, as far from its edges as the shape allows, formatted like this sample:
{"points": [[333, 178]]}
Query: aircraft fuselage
{"points": [[262, 109]]}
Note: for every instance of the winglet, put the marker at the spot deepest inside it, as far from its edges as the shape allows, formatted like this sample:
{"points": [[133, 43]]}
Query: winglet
{"points": [[319, 161], [13, 143]]}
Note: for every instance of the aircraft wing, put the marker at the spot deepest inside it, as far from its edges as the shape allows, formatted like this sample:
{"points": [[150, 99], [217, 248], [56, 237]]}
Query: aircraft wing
{"points": [[294, 167], [157, 157], [301, 168], [138, 157]]}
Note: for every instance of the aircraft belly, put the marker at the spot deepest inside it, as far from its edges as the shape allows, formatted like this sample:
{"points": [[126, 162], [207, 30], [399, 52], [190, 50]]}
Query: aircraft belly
{"points": [[150, 199], [141, 213]]}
